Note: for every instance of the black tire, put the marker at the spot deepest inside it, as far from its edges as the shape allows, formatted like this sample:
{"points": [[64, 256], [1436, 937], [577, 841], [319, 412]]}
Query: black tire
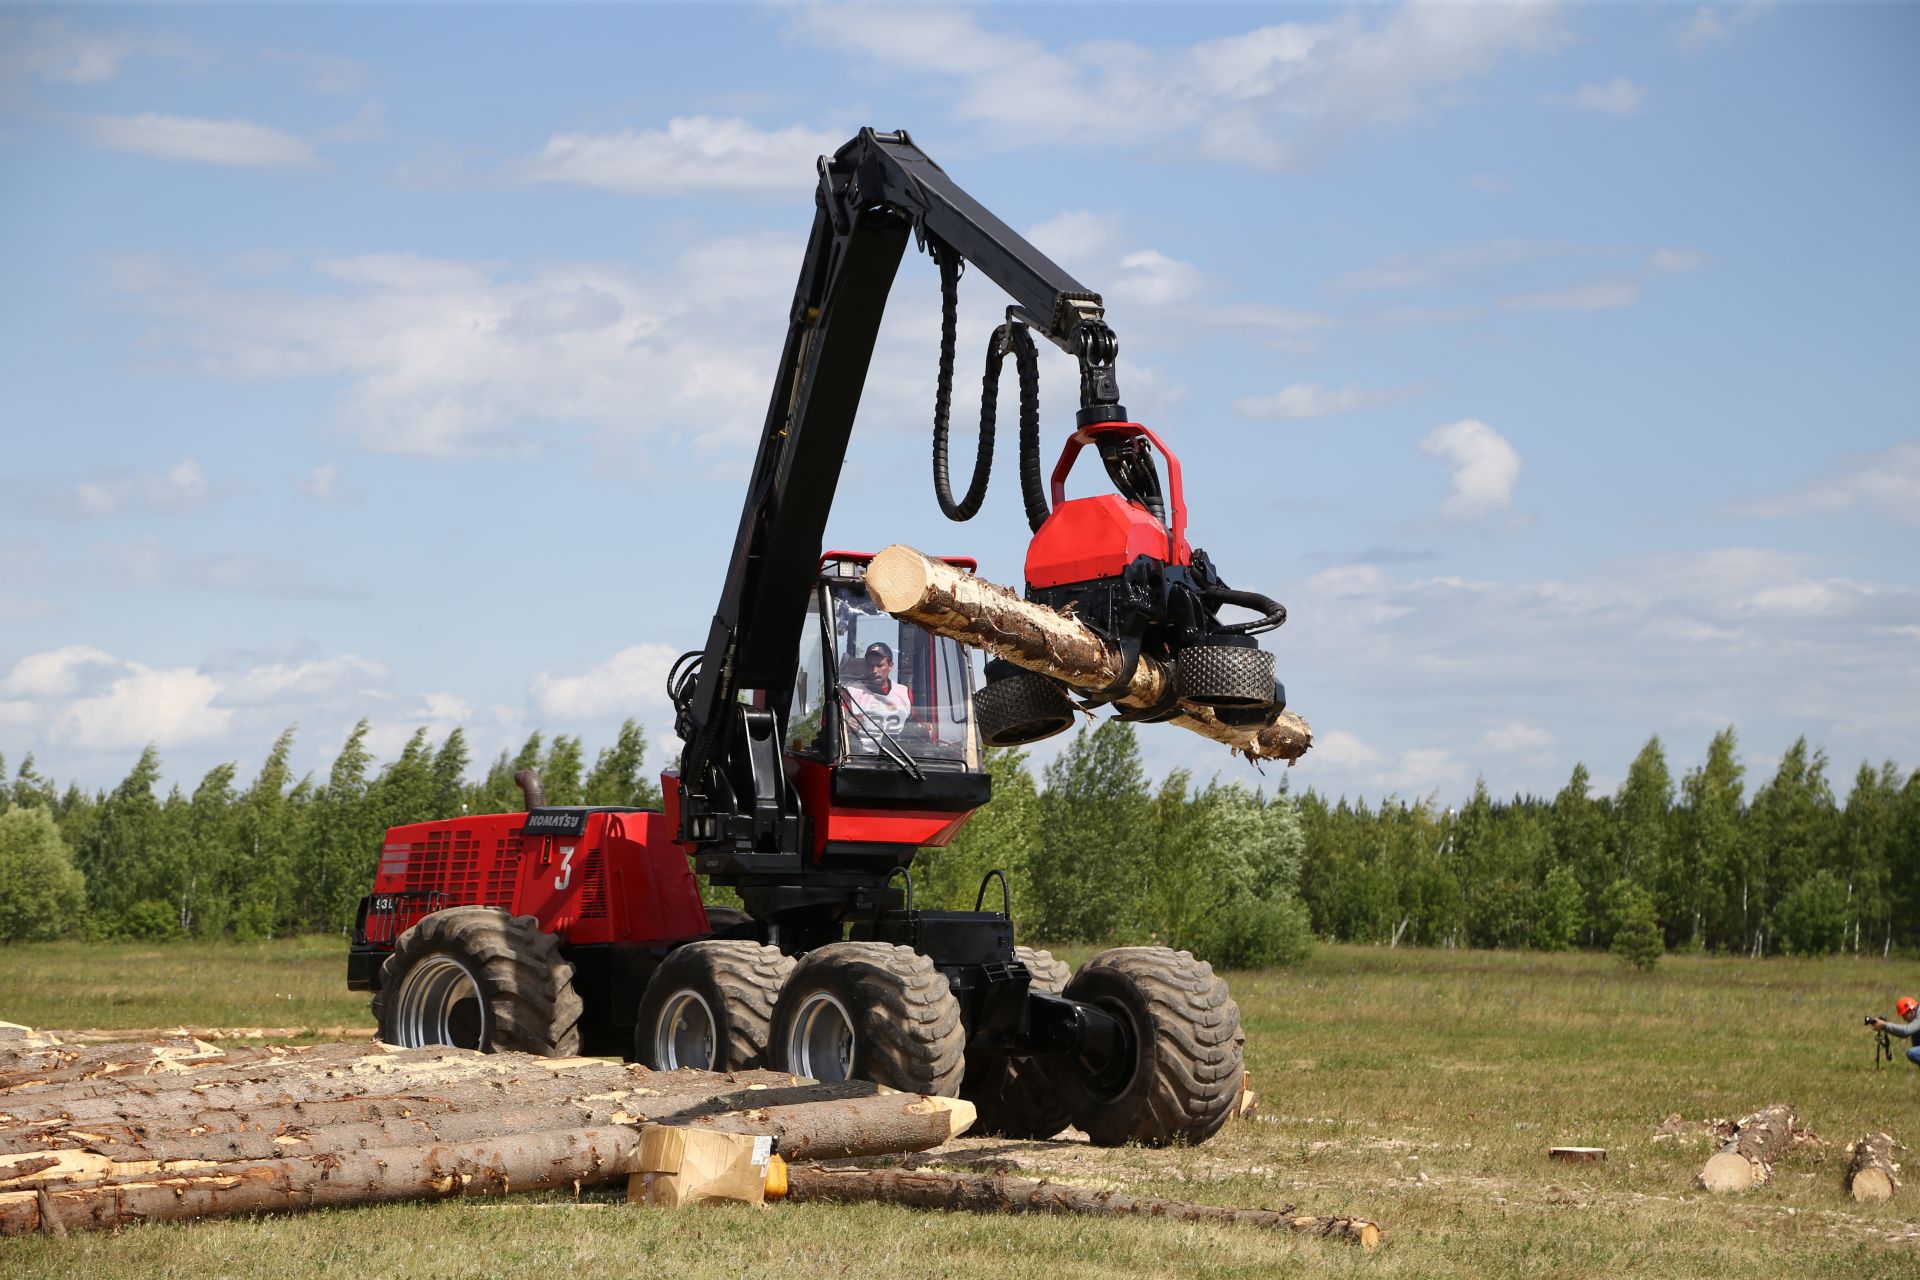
{"points": [[708, 1006], [870, 1011], [481, 979], [1016, 1097], [1218, 675], [1179, 1077], [1019, 709], [719, 918]]}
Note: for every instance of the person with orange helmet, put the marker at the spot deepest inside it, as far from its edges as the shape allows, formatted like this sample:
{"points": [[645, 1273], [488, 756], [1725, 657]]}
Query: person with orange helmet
{"points": [[1908, 1010]]}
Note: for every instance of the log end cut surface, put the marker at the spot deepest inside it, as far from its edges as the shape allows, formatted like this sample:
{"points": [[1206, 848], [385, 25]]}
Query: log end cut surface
{"points": [[1727, 1171], [1870, 1186], [1577, 1155]]}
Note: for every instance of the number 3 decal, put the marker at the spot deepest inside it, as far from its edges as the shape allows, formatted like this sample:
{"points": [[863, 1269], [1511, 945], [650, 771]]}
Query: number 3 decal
{"points": [[565, 877]]}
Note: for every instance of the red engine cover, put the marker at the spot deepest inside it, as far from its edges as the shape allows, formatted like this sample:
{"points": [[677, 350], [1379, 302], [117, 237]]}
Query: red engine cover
{"points": [[1097, 537], [622, 879]]}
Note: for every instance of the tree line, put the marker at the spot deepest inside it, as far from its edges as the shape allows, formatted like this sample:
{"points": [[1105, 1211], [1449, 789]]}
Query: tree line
{"points": [[275, 855], [1788, 868], [1091, 849]]}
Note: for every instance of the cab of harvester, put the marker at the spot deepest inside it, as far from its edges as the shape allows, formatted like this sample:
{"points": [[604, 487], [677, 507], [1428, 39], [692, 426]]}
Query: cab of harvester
{"points": [[879, 758]]}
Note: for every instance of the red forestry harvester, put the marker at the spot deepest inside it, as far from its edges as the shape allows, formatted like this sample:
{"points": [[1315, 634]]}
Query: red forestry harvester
{"points": [[826, 742]]}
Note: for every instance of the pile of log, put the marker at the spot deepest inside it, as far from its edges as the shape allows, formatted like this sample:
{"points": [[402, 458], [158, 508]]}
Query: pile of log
{"points": [[97, 1136]]}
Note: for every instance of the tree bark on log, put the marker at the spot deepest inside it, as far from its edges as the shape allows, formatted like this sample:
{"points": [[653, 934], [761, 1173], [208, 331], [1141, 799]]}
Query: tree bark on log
{"points": [[996, 1193], [953, 603], [880, 1125], [515, 1162], [1747, 1160], [106, 1035], [1871, 1171]]}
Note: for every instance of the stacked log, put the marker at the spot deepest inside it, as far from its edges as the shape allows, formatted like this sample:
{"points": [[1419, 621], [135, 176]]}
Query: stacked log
{"points": [[953, 603], [95, 1137], [100, 1136]]}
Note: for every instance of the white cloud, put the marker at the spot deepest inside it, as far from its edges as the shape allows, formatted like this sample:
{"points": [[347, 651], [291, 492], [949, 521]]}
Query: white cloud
{"points": [[1273, 97], [87, 701], [1516, 736], [1425, 268], [52, 674], [18, 608], [1887, 480], [1149, 278], [1712, 24], [239, 143], [621, 686], [693, 153], [145, 704], [1589, 295], [448, 357], [54, 51], [1617, 97], [1077, 237], [1339, 747], [323, 484], [181, 487], [281, 684], [1676, 261], [1299, 400], [1702, 29], [1269, 317], [1484, 467], [1639, 640]]}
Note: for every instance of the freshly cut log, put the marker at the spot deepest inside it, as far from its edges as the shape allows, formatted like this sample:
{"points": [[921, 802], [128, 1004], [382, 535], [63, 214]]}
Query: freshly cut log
{"points": [[1871, 1171], [514, 1162], [106, 1035], [879, 1125], [953, 603], [828, 1127], [997, 1193], [1747, 1160], [1577, 1155]]}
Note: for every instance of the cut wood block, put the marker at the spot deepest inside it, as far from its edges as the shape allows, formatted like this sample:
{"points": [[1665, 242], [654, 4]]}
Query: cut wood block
{"points": [[676, 1166], [1871, 1169], [1577, 1155], [1747, 1160]]}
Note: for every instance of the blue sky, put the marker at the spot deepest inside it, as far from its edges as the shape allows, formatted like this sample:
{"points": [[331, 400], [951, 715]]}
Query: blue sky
{"points": [[1552, 363]]}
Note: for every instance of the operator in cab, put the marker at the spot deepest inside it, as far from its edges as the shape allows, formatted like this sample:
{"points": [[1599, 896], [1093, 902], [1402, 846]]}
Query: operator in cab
{"points": [[880, 705]]}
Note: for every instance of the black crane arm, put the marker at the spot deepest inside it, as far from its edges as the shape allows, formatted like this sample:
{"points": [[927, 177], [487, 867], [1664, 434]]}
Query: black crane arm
{"points": [[875, 193]]}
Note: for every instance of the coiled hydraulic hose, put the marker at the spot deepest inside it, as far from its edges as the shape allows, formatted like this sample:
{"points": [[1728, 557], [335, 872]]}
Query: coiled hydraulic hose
{"points": [[1009, 337]]}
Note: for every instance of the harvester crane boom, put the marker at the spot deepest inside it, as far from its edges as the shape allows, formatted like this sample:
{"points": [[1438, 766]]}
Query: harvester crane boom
{"points": [[874, 194]]}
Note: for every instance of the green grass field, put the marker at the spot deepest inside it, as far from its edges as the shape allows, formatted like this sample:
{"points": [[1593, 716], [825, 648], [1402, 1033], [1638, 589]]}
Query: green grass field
{"points": [[1417, 1088]]}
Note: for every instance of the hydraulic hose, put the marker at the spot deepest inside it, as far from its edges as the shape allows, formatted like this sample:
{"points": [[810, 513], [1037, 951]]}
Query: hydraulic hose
{"points": [[1273, 613], [1009, 337]]}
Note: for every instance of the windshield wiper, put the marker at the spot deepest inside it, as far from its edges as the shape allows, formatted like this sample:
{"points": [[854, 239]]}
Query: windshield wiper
{"points": [[898, 754]]}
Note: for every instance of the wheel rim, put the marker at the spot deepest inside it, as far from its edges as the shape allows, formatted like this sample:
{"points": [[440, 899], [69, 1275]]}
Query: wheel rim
{"points": [[1109, 1081], [685, 1035], [820, 1045], [439, 1003]]}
